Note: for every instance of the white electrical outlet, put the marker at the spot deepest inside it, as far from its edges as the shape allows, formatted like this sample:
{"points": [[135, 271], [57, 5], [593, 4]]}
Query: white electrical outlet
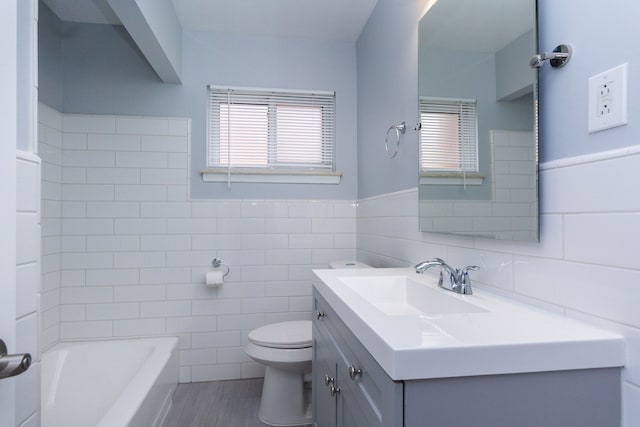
{"points": [[608, 99]]}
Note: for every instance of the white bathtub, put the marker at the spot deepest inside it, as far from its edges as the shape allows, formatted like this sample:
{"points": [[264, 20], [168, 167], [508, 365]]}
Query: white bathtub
{"points": [[114, 383]]}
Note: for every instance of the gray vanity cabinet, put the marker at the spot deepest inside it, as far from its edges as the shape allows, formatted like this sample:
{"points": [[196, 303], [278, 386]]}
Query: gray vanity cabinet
{"points": [[365, 396], [350, 389]]}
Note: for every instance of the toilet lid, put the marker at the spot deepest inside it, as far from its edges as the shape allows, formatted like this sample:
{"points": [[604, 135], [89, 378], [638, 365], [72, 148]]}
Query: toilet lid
{"points": [[295, 334]]}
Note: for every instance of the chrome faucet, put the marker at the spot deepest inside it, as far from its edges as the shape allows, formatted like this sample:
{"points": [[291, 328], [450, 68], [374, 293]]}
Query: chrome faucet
{"points": [[459, 280]]}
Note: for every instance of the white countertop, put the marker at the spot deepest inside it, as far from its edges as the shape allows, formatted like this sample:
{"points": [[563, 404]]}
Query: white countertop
{"points": [[508, 337]]}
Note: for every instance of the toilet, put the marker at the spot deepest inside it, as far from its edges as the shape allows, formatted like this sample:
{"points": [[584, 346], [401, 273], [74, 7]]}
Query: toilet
{"points": [[285, 349]]}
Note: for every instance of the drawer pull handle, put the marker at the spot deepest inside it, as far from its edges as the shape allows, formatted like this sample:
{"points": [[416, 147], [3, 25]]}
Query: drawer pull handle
{"points": [[334, 390], [328, 380], [320, 315], [354, 372]]}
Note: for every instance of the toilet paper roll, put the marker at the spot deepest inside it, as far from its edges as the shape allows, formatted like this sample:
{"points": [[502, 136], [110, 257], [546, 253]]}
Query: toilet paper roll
{"points": [[214, 278]]}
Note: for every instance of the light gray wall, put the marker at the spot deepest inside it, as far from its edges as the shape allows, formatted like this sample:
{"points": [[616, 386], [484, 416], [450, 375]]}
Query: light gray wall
{"points": [[387, 84], [106, 74], [162, 18], [387, 58], [563, 107], [102, 78], [155, 27], [276, 63], [49, 58]]}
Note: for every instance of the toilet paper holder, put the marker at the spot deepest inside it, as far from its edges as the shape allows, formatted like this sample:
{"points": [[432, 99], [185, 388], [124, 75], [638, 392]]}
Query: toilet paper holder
{"points": [[217, 263]]}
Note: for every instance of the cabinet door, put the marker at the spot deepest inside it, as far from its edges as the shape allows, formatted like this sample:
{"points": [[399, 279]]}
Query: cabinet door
{"points": [[368, 397], [354, 406], [349, 412], [324, 364]]}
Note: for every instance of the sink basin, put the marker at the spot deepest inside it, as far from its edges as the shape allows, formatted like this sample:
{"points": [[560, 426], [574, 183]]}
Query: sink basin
{"points": [[402, 296]]}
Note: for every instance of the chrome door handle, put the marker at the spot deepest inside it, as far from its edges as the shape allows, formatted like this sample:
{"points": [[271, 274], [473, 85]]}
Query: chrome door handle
{"points": [[354, 372], [328, 380], [12, 364], [320, 315], [334, 390]]}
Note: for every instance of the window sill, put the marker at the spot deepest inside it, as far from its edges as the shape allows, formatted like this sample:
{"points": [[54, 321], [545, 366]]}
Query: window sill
{"points": [[272, 176], [453, 178]]}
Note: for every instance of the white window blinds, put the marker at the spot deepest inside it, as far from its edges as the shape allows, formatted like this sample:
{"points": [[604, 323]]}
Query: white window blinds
{"points": [[449, 135], [260, 128]]}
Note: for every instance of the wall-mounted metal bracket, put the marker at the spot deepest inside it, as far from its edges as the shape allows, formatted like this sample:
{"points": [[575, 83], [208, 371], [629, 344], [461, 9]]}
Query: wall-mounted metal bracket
{"points": [[557, 58], [217, 263]]}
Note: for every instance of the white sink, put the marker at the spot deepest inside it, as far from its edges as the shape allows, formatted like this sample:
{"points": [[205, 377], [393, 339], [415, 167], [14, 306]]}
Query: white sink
{"points": [[416, 330], [403, 296]]}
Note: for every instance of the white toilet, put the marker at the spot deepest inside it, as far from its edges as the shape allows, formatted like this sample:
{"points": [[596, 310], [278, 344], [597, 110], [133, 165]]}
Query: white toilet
{"points": [[285, 349]]}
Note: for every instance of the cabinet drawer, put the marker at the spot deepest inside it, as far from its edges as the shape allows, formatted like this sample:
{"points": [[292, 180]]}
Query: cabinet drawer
{"points": [[362, 381]]}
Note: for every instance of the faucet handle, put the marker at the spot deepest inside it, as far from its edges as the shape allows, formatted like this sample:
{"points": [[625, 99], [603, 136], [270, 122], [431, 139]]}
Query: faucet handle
{"points": [[464, 274], [470, 268], [465, 280]]}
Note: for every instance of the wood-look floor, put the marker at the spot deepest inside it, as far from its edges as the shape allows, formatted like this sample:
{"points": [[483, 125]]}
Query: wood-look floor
{"points": [[216, 404]]}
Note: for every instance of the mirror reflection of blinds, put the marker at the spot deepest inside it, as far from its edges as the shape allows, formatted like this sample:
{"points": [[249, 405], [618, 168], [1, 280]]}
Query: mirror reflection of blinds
{"points": [[449, 135], [255, 128]]}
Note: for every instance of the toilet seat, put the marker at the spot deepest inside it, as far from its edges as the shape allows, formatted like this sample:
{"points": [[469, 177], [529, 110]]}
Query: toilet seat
{"points": [[279, 356], [284, 335]]}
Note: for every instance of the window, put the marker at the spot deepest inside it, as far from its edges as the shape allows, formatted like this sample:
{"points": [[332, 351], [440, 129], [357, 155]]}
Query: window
{"points": [[267, 132], [448, 136]]}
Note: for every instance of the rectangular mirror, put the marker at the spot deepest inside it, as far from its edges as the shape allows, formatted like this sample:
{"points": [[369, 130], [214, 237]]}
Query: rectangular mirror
{"points": [[478, 101]]}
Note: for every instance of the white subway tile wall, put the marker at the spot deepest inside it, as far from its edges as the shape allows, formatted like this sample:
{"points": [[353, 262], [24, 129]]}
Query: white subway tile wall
{"points": [[33, 254], [585, 266], [126, 254], [50, 145], [132, 252], [28, 249]]}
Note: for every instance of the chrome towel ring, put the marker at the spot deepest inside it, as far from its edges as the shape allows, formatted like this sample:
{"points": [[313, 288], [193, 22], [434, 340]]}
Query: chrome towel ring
{"points": [[399, 129]]}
